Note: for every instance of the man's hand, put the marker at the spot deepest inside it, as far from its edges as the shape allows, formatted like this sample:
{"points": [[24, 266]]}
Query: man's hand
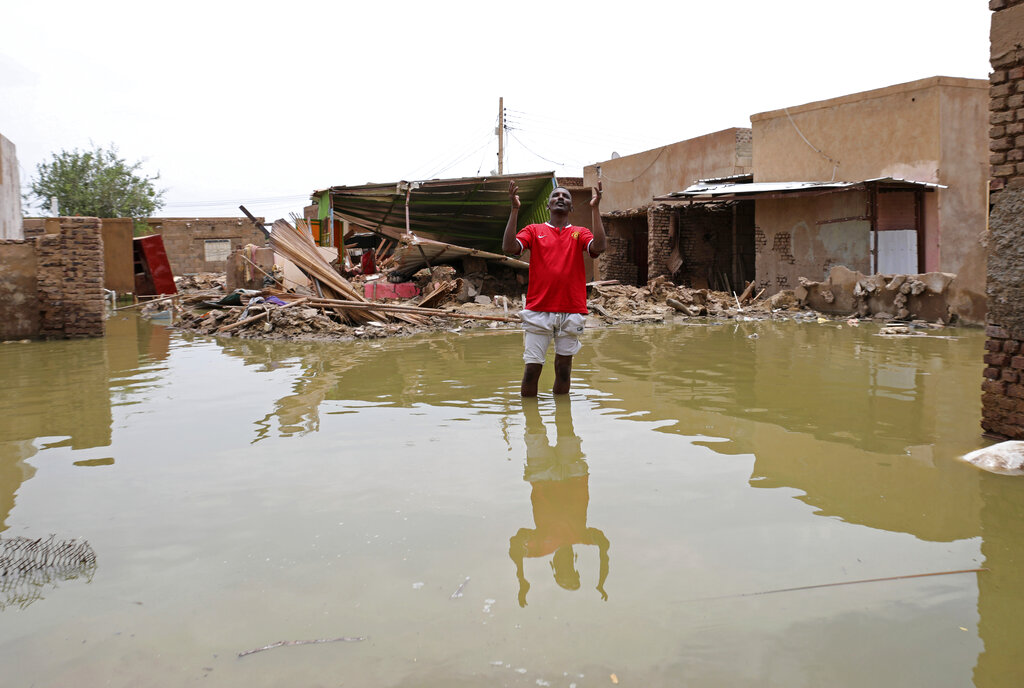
{"points": [[595, 197], [513, 194]]}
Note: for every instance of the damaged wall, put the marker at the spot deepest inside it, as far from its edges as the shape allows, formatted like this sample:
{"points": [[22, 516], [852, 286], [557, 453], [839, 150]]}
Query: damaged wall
{"points": [[196, 245], [702, 256], [56, 289], [1003, 385], [798, 237], [10, 192]]}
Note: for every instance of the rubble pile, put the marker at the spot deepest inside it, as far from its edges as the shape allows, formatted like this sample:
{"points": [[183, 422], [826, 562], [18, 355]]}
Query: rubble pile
{"points": [[661, 299], [930, 296], [269, 321], [203, 281]]}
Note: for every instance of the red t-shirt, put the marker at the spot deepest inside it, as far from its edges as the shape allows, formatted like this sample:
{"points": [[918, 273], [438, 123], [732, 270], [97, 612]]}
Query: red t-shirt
{"points": [[558, 280]]}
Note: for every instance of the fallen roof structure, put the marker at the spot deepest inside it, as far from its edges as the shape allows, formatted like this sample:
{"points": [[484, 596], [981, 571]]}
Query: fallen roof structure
{"points": [[469, 212], [413, 251], [714, 191]]}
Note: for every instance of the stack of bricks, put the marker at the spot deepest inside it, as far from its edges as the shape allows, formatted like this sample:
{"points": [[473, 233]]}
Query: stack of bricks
{"points": [[1003, 384], [660, 219], [1002, 397], [70, 280]]}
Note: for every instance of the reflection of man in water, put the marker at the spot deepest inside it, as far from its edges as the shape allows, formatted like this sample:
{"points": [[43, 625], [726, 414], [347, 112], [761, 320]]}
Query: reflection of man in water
{"points": [[560, 495]]}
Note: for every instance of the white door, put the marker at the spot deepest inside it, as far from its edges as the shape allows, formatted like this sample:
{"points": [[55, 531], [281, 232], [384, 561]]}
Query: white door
{"points": [[897, 252]]}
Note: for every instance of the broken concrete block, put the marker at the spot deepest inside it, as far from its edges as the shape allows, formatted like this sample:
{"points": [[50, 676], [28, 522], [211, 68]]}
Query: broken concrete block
{"points": [[482, 300], [783, 299], [936, 282], [896, 282]]}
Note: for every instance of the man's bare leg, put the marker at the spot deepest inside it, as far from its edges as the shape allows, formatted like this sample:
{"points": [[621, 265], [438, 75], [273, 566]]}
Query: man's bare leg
{"points": [[531, 375], [563, 374]]}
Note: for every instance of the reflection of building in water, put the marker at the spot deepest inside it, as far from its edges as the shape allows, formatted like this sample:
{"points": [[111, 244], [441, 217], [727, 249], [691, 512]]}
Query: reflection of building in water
{"points": [[63, 389], [865, 428], [560, 495], [428, 370]]}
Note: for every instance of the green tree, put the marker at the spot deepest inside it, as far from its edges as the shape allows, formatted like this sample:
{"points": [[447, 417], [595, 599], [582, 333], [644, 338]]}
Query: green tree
{"points": [[96, 183]]}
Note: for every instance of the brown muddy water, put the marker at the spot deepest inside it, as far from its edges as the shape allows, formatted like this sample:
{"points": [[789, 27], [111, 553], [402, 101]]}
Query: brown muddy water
{"points": [[239, 493]]}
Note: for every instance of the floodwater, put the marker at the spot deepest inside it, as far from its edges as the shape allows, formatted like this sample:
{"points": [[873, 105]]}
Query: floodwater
{"points": [[650, 530]]}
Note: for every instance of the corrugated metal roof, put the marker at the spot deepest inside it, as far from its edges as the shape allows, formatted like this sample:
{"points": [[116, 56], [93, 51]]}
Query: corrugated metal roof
{"points": [[470, 211], [709, 191]]}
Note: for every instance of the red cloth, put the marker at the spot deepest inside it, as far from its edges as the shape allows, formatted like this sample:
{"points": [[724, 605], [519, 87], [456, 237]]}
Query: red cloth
{"points": [[558, 280], [368, 263]]}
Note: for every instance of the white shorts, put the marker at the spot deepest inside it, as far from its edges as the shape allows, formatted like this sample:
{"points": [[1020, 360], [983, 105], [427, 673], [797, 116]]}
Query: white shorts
{"points": [[540, 328]]}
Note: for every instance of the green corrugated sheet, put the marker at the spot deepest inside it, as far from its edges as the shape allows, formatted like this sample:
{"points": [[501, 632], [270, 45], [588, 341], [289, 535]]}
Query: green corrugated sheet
{"points": [[470, 211]]}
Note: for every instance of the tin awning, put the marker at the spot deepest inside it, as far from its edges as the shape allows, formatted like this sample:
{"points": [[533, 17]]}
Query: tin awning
{"points": [[715, 191]]}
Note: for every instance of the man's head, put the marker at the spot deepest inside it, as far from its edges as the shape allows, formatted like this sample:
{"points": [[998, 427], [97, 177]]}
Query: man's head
{"points": [[563, 565], [560, 200]]}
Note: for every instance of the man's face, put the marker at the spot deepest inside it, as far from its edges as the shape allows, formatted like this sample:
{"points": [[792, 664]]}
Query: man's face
{"points": [[560, 199]]}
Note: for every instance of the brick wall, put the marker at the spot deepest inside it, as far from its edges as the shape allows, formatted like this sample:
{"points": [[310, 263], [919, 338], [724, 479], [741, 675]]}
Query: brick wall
{"points": [[616, 262], [1002, 388], [1002, 396], [660, 225], [185, 240], [70, 280]]}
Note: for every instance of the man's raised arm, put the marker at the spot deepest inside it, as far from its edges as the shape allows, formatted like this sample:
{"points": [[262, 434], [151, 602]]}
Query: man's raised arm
{"points": [[508, 242], [598, 245]]}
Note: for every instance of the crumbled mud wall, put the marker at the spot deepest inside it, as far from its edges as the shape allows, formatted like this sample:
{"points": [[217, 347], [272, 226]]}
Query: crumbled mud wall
{"points": [[1006, 259], [932, 296]]}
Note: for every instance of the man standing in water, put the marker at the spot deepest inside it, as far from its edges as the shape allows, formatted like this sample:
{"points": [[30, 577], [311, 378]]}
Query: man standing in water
{"points": [[556, 299]]}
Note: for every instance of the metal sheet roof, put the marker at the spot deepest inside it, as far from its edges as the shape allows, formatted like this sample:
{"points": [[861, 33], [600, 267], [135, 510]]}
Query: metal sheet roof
{"points": [[715, 191], [469, 212]]}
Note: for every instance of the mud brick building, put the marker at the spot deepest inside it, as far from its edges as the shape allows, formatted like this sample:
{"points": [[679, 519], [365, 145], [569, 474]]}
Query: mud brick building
{"points": [[1003, 386], [53, 281]]}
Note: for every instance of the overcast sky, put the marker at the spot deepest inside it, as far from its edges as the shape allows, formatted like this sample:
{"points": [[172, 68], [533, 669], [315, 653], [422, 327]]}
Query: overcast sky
{"points": [[263, 103]]}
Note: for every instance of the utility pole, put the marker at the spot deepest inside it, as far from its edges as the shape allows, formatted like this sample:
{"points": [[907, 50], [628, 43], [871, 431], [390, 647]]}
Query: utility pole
{"points": [[500, 131]]}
